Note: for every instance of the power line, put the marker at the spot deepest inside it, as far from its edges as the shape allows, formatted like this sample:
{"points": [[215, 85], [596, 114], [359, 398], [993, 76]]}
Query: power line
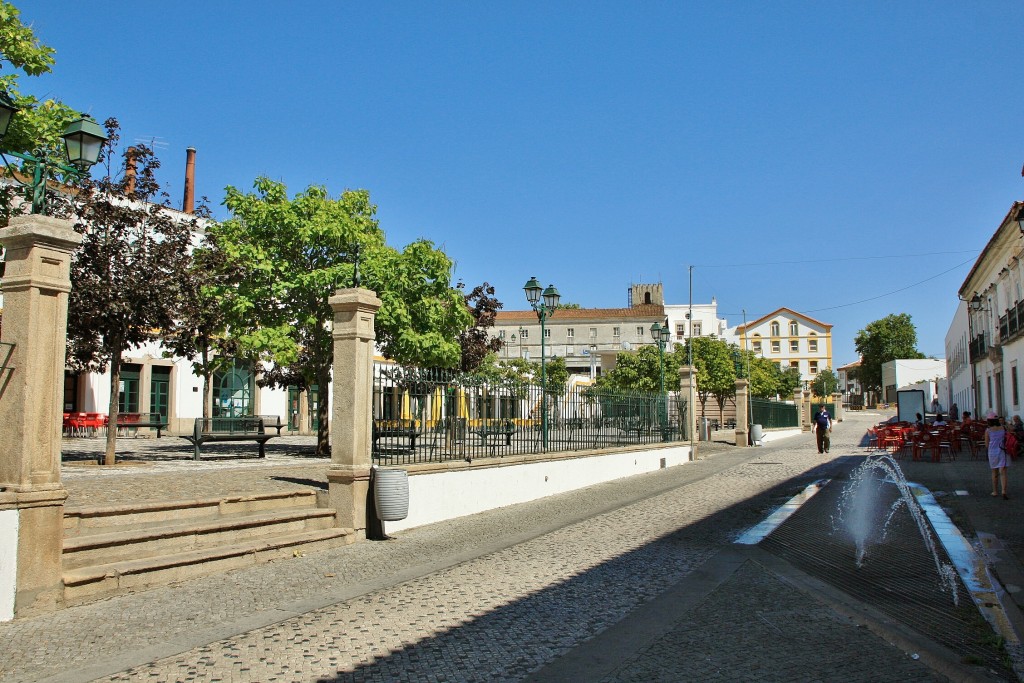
{"points": [[880, 296], [833, 260]]}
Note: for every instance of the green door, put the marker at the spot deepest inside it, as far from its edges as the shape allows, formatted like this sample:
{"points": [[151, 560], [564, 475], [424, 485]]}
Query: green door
{"points": [[314, 405], [293, 409], [232, 391], [160, 391], [128, 396]]}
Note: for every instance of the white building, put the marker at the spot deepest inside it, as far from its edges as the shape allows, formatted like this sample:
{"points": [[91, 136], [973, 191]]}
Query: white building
{"points": [[959, 369], [704, 323], [927, 374], [789, 339], [994, 299]]}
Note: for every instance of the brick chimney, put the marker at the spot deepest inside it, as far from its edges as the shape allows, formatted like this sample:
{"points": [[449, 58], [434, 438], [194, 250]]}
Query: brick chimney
{"points": [[188, 203], [129, 171]]}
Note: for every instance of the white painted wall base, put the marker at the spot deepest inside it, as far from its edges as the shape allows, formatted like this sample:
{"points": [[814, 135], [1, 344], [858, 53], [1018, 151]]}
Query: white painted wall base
{"points": [[8, 562], [435, 496], [777, 434]]}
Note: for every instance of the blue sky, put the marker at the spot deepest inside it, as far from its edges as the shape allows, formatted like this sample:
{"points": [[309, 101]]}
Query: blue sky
{"points": [[804, 154]]}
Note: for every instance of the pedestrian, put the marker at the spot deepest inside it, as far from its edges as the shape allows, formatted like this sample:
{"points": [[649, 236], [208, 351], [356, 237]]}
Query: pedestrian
{"points": [[822, 427], [954, 413], [998, 460], [936, 407]]}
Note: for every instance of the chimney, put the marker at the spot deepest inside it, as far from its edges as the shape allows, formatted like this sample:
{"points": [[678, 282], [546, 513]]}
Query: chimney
{"points": [[129, 171], [188, 203]]}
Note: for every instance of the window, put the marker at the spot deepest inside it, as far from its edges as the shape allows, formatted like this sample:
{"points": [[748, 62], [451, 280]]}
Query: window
{"points": [[570, 333], [794, 345], [501, 334], [775, 329], [757, 346], [616, 331], [128, 398], [812, 345], [547, 333], [680, 330], [639, 331], [570, 350], [794, 329], [813, 367], [1014, 386], [593, 333], [696, 329], [776, 346], [524, 334]]}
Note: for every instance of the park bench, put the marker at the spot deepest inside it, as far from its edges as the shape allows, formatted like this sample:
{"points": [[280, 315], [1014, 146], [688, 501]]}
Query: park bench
{"points": [[128, 424], [395, 429], [495, 429], [248, 428]]}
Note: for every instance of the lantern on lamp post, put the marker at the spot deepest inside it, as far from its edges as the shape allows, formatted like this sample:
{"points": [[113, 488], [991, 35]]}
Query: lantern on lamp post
{"points": [[544, 304]]}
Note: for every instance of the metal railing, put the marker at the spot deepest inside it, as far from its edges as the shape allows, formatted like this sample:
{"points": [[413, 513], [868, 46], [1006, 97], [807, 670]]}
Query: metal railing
{"points": [[422, 415], [774, 414]]}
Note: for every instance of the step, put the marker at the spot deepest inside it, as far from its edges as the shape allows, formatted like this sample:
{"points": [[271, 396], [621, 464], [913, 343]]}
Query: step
{"points": [[97, 519], [89, 583], [152, 541]]}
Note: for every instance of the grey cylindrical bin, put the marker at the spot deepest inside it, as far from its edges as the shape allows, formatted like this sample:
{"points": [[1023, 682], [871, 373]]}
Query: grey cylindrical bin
{"points": [[704, 433], [756, 433], [391, 494]]}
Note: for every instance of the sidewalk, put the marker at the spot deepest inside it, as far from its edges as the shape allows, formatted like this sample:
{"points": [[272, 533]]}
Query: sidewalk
{"points": [[634, 580]]}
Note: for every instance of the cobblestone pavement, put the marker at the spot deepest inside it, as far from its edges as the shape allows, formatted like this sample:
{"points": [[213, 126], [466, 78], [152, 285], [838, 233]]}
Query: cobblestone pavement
{"points": [[492, 597]]}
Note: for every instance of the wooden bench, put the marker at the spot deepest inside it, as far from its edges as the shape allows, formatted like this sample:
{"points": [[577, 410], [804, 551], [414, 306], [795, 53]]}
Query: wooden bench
{"points": [[131, 422], [250, 428], [272, 422], [395, 429]]}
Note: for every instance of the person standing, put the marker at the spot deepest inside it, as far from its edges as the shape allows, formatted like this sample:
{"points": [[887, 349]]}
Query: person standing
{"points": [[822, 428], [998, 460]]}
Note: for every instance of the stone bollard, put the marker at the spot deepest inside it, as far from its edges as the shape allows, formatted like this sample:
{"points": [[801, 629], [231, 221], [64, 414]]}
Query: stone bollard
{"points": [[742, 415], [837, 401], [352, 417], [35, 289]]}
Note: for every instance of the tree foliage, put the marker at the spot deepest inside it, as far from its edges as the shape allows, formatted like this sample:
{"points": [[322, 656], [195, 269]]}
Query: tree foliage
{"points": [[716, 369], [292, 254], [825, 383], [475, 342], [640, 371], [127, 278], [889, 338]]}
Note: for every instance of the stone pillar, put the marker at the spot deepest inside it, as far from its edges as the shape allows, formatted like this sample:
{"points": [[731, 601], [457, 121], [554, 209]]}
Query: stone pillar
{"points": [[351, 417], [35, 297], [688, 390], [742, 417], [837, 401], [805, 411]]}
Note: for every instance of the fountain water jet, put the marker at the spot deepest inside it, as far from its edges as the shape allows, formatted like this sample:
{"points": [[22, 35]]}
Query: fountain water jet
{"points": [[860, 512]]}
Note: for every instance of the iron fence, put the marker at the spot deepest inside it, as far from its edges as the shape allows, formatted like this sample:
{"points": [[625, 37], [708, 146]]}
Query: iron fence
{"points": [[425, 415], [774, 414]]}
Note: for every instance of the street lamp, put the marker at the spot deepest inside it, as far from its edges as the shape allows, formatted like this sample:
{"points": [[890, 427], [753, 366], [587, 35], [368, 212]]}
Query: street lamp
{"points": [[544, 305], [660, 336], [83, 140]]}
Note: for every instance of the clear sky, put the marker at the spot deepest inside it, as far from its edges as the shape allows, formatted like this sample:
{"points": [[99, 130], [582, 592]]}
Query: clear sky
{"points": [[845, 159]]}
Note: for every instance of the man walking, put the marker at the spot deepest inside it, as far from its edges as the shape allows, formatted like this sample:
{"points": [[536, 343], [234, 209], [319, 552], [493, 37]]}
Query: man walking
{"points": [[822, 427]]}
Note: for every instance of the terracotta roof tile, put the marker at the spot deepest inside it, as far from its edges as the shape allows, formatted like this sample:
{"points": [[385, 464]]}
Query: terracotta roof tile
{"points": [[640, 311]]}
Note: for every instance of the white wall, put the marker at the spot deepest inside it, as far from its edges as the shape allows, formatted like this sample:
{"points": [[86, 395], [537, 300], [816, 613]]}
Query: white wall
{"points": [[8, 562], [437, 496]]}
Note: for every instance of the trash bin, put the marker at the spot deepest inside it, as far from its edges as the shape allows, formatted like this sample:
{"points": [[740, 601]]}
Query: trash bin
{"points": [[704, 433], [391, 493], [756, 434]]}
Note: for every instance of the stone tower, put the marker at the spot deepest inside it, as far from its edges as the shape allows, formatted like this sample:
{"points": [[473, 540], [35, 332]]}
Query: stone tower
{"points": [[646, 294]]}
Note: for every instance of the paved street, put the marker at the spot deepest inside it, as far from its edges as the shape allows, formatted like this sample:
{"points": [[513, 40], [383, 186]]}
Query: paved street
{"points": [[635, 580]]}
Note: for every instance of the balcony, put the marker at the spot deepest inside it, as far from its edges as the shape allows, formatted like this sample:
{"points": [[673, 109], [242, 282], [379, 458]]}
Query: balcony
{"points": [[978, 349], [1011, 323]]}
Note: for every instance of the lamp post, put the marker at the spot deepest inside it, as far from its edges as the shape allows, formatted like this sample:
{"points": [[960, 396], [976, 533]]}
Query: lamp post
{"points": [[83, 140], [544, 305], [660, 336]]}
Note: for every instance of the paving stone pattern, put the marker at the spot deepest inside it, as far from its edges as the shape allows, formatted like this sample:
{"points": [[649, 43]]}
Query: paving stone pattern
{"points": [[757, 628], [490, 597]]}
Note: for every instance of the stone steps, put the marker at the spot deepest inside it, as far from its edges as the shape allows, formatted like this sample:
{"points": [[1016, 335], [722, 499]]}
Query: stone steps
{"points": [[123, 548]]}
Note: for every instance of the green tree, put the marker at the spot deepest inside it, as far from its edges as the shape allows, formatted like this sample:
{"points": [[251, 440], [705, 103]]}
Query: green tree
{"points": [[825, 383], [127, 277], [889, 338], [639, 371], [39, 124], [716, 370], [789, 381], [293, 253], [764, 376]]}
